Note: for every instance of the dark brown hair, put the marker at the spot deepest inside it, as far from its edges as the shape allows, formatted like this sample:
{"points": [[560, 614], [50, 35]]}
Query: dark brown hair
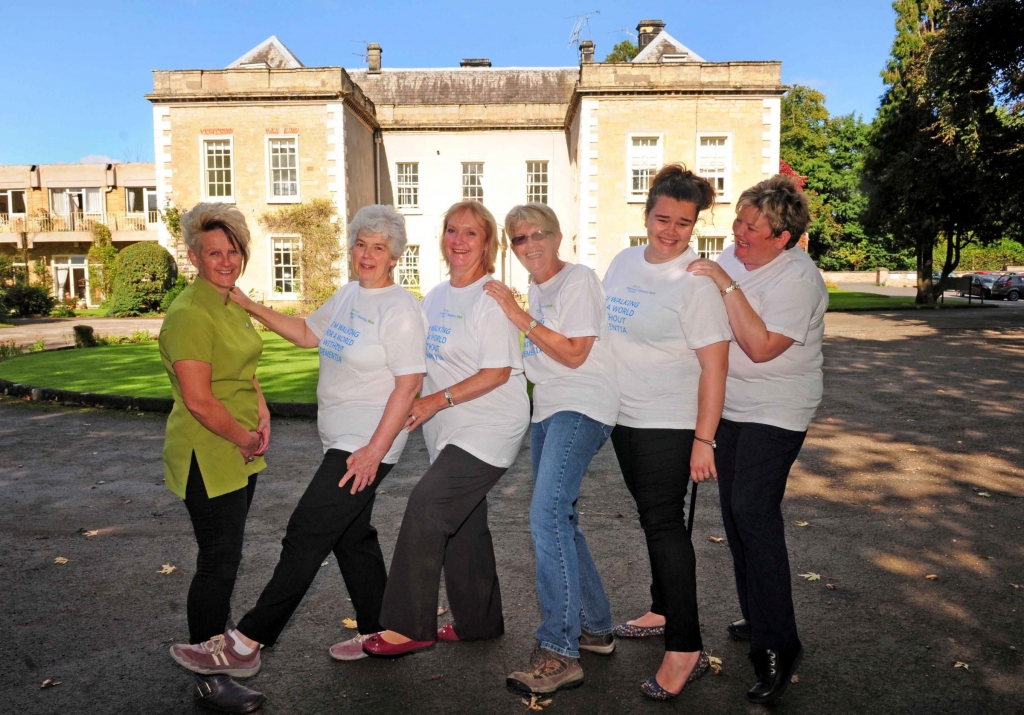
{"points": [[677, 182]]}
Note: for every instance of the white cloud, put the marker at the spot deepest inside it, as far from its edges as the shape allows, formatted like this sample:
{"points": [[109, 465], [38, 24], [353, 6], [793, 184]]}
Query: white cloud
{"points": [[97, 159]]}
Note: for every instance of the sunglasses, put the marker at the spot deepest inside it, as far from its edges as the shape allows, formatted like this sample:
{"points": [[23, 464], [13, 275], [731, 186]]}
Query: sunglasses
{"points": [[536, 237]]}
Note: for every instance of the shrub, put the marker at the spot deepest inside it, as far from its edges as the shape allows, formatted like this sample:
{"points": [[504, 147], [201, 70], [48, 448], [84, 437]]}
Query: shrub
{"points": [[65, 309], [84, 337], [145, 271], [23, 301], [180, 284], [102, 258], [9, 349]]}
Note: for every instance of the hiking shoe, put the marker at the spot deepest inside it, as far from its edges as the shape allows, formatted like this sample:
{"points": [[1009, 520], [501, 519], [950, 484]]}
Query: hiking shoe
{"points": [[547, 673], [602, 645], [352, 649], [216, 656]]}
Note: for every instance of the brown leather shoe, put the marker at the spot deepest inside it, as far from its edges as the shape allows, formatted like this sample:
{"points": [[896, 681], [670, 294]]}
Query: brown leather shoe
{"points": [[547, 673]]}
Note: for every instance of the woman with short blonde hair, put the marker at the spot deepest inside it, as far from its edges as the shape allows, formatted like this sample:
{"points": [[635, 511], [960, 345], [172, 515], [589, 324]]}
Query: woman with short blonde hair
{"points": [[492, 242]]}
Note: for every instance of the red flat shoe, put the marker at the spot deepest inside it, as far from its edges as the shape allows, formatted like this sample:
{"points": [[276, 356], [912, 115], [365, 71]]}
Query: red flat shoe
{"points": [[377, 647], [447, 633]]}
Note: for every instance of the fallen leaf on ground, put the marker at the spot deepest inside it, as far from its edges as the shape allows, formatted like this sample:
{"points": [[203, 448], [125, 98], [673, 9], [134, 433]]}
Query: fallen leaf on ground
{"points": [[127, 501], [434, 677], [830, 586], [441, 610], [324, 564], [101, 482], [167, 568], [810, 576], [537, 702], [961, 664], [49, 683], [94, 532], [716, 664], [60, 560], [984, 494], [932, 576], [715, 539], [349, 623], [801, 523], [911, 449], [1017, 586], [794, 678]]}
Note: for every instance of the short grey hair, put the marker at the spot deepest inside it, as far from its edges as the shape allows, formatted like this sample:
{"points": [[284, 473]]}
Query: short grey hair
{"points": [[206, 217], [382, 219]]}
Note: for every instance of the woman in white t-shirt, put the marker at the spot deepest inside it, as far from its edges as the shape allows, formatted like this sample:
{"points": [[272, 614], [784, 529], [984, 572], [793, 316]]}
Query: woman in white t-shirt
{"points": [[474, 413], [776, 300], [575, 401], [371, 338], [670, 337]]}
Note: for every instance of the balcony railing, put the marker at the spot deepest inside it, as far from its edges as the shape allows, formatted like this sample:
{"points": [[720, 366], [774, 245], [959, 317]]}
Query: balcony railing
{"points": [[48, 223]]}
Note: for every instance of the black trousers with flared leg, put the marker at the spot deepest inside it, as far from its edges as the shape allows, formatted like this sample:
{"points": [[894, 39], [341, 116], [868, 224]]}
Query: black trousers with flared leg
{"points": [[655, 464], [445, 526], [327, 518], [753, 462]]}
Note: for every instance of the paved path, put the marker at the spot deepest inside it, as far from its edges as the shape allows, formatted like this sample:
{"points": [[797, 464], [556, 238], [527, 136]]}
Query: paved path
{"points": [[57, 332], [911, 468]]}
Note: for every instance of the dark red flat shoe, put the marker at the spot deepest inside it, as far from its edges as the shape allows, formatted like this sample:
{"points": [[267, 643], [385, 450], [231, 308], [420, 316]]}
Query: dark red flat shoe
{"points": [[447, 633], [377, 647]]}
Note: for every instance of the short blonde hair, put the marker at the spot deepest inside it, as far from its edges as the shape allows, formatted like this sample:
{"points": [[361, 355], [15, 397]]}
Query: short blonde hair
{"points": [[780, 200], [382, 219], [537, 214], [491, 240], [206, 217]]}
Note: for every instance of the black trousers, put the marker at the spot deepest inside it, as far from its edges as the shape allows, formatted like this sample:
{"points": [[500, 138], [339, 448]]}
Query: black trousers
{"points": [[656, 466], [445, 525], [753, 462], [219, 526], [327, 518]]}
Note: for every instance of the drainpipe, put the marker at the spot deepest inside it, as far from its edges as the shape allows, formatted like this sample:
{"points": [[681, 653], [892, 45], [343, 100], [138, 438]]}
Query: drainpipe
{"points": [[376, 164]]}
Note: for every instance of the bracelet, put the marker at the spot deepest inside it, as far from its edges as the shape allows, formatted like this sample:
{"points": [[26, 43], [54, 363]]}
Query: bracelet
{"points": [[448, 396], [731, 287], [533, 324], [709, 442]]}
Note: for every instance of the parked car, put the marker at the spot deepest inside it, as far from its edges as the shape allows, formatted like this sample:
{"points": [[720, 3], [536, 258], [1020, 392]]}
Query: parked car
{"points": [[937, 276], [982, 284], [1010, 286]]}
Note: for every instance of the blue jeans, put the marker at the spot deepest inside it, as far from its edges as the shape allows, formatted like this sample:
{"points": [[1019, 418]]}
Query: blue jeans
{"points": [[568, 586]]}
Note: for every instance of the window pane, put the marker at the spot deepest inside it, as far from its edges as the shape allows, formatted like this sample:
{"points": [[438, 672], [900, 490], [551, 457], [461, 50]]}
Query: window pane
{"points": [[472, 182], [218, 168], [644, 162], [151, 201], [712, 161], [287, 271], [638, 240], [17, 202], [93, 201], [5, 207], [710, 246], [408, 272], [59, 201], [537, 182], [284, 167], [134, 200], [409, 185]]}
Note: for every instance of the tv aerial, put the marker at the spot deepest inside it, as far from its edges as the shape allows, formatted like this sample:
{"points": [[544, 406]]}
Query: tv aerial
{"points": [[365, 54], [581, 26]]}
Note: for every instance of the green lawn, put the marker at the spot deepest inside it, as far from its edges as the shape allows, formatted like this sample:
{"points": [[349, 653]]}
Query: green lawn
{"points": [[286, 373], [90, 312], [855, 300]]}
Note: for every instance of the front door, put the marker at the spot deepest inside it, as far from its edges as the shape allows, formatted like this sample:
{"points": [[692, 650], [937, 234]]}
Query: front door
{"points": [[71, 278]]}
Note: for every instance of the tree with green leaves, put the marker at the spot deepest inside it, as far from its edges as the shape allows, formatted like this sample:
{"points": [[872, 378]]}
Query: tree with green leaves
{"points": [[102, 257], [625, 51]]}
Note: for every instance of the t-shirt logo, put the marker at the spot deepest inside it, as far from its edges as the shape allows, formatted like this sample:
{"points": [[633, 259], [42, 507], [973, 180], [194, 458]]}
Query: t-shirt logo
{"points": [[338, 337], [437, 336], [445, 313]]}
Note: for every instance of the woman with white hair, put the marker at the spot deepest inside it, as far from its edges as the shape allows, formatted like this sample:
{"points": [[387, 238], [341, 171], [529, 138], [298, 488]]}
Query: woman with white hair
{"points": [[218, 428], [371, 338]]}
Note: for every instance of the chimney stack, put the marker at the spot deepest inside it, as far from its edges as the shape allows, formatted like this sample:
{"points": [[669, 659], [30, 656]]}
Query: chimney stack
{"points": [[373, 51], [646, 31], [586, 52], [475, 62]]}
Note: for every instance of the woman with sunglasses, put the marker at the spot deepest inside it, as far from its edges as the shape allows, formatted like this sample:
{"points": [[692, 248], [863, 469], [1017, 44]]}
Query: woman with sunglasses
{"points": [[566, 354]]}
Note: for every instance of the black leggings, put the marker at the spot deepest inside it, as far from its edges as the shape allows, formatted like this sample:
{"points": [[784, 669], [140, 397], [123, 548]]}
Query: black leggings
{"points": [[656, 466], [753, 462], [327, 518], [219, 525]]}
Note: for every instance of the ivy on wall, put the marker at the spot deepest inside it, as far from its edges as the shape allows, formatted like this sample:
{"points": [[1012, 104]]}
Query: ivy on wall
{"points": [[315, 221]]}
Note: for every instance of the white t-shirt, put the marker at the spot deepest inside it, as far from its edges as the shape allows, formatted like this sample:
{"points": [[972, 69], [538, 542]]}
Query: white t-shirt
{"points": [[658, 315], [790, 297], [572, 303], [467, 332], [368, 337]]}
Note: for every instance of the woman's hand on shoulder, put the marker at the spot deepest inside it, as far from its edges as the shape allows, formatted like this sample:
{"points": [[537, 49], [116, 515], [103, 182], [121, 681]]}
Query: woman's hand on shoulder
{"points": [[702, 462], [503, 296], [241, 298], [362, 467], [704, 267]]}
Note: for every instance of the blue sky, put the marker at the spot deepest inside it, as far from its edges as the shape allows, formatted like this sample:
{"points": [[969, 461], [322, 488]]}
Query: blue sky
{"points": [[76, 72]]}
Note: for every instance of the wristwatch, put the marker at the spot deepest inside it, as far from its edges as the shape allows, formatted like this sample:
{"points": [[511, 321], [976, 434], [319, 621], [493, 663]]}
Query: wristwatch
{"points": [[533, 324], [730, 288], [448, 396]]}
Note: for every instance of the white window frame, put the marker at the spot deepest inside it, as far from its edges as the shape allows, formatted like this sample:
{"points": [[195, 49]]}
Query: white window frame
{"points": [[634, 239], [726, 196], [271, 199], [482, 175], [547, 180], [205, 185], [418, 286], [408, 208], [639, 198], [271, 238], [712, 237], [10, 202]]}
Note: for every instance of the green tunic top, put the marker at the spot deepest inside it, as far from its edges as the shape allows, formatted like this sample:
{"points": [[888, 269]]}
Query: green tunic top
{"points": [[200, 327]]}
